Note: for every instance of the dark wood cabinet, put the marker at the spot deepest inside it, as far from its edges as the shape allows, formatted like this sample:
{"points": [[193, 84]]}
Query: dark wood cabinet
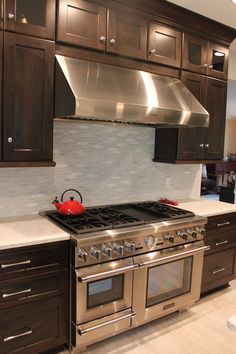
{"points": [[27, 98], [1, 63], [204, 57], [127, 34], [164, 45], [219, 265], [34, 298], [34, 18], [89, 25], [197, 144]]}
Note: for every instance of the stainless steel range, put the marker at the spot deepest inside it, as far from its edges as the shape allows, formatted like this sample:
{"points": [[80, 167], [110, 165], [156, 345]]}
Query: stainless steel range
{"points": [[131, 263]]}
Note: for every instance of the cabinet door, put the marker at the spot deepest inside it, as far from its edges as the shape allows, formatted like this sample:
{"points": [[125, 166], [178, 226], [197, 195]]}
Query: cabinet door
{"points": [[28, 98], [127, 34], [164, 45], [189, 145], [1, 60], [216, 106], [217, 61], [194, 57], [82, 23], [36, 18]]}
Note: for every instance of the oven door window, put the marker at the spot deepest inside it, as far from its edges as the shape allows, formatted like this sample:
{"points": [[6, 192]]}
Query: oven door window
{"points": [[104, 291], [169, 280]]}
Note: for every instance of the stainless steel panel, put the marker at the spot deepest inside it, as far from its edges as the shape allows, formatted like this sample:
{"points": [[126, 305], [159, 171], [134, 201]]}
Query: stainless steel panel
{"points": [[102, 92], [83, 314]]}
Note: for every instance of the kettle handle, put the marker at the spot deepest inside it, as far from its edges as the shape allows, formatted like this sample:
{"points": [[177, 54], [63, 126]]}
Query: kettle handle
{"points": [[74, 190]]}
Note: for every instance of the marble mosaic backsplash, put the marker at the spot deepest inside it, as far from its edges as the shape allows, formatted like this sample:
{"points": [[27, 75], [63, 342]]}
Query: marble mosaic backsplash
{"points": [[107, 163]]}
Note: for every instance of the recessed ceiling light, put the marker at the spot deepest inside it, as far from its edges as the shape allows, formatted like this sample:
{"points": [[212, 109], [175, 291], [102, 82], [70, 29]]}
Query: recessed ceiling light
{"points": [[233, 1]]}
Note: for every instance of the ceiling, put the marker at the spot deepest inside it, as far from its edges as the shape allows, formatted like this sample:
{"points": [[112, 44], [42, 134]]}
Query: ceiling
{"points": [[223, 11]]}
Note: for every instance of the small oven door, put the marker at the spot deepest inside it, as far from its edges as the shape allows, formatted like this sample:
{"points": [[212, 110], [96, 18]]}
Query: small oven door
{"points": [[101, 290], [167, 281]]}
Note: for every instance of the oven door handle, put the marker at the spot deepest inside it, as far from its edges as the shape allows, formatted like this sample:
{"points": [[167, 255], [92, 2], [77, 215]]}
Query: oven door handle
{"points": [[83, 331], [107, 273], [173, 256]]}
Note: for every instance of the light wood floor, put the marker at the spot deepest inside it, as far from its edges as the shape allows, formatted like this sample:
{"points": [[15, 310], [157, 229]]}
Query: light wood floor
{"points": [[201, 329]]}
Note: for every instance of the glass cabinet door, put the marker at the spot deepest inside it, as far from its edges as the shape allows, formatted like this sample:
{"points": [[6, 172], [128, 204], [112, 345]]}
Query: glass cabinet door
{"points": [[194, 54], [217, 61], [168, 281], [36, 18]]}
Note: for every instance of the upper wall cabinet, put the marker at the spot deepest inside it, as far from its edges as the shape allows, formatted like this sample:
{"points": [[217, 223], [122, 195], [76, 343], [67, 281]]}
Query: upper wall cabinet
{"points": [[205, 57], [89, 25], [164, 45], [35, 18]]}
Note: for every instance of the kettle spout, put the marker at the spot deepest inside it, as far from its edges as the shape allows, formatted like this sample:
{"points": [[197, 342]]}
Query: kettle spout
{"points": [[57, 203]]}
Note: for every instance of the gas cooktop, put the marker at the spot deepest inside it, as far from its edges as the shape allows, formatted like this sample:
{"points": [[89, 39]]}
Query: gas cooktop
{"points": [[118, 216]]}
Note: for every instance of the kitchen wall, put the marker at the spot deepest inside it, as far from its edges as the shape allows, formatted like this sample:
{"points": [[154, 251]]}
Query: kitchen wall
{"points": [[108, 163], [230, 137]]}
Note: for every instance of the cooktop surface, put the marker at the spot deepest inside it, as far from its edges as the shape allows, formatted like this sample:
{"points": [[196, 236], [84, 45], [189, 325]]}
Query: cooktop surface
{"points": [[117, 216]]}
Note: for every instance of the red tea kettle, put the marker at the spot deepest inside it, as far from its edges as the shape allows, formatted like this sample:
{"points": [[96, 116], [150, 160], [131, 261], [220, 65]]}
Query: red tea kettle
{"points": [[70, 207]]}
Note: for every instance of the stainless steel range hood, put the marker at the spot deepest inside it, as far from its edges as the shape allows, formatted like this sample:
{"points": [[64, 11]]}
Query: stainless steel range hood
{"points": [[93, 91]]}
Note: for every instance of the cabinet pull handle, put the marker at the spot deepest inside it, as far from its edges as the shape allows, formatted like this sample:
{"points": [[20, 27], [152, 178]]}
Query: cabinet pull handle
{"points": [[205, 66], [210, 66], [223, 223], [218, 270], [11, 16], [112, 41], [153, 51], [201, 145], [207, 146], [4, 296], [10, 140], [102, 39], [6, 339], [15, 264], [222, 243]]}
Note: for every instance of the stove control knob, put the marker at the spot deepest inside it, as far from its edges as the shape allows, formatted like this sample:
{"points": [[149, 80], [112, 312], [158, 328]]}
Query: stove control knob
{"points": [[107, 249], [95, 252], [82, 254], [183, 235], [193, 233], [169, 238], [201, 231], [119, 249], [149, 241], [130, 246]]}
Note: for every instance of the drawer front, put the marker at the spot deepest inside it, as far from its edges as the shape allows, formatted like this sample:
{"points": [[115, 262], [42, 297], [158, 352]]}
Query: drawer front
{"points": [[221, 223], [34, 328], [47, 257], [27, 289], [218, 266], [220, 243]]}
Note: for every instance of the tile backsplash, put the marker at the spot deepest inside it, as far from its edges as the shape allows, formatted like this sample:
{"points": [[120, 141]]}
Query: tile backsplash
{"points": [[107, 163]]}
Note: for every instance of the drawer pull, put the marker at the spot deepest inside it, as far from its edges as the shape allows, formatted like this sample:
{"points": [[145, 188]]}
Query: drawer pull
{"points": [[222, 243], [6, 339], [218, 270], [15, 264], [223, 223], [4, 296]]}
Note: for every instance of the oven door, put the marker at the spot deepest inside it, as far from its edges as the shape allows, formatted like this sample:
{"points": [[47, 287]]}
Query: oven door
{"points": [[101, 290], [167, 281]]}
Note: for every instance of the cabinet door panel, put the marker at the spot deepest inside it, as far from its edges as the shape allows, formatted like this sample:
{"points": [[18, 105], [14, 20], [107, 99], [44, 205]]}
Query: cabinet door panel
{"points": [[218, 61], [129, 33], [189, 145], [28, 98], [216, 106], [164, 45], [194, 54], [82, 23], [36, 18]]}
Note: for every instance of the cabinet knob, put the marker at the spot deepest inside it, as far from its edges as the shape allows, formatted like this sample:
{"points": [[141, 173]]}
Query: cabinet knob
{"points": [[152, 51], [207, 146], [201, 145], [10, 139], [205, 66], [210, 66], [102, 39], [112, 41], [10, 16]]}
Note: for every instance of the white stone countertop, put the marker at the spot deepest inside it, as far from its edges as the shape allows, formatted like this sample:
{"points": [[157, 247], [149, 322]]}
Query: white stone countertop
{"points": [[29, 230], [206, 207]]}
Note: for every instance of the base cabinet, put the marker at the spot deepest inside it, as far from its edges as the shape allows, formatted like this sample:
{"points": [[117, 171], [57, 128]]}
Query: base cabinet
{"points": [[219, 265]]}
